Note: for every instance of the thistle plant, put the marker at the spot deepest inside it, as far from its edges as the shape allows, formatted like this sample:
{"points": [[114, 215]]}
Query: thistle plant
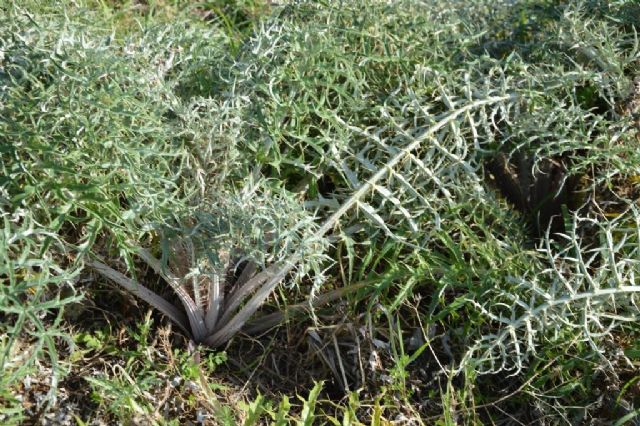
{"points": [[587, 290], [411, 173], [215, 273], [213, 320], [403, 177]]}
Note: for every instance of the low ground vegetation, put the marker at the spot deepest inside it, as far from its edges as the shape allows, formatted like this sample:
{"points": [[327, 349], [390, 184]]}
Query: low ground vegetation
{"points": [[410, 212]]}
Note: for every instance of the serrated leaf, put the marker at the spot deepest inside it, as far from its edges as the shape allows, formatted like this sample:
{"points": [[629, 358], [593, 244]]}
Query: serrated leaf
{"points": [[398, 204], [371, 213]]}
